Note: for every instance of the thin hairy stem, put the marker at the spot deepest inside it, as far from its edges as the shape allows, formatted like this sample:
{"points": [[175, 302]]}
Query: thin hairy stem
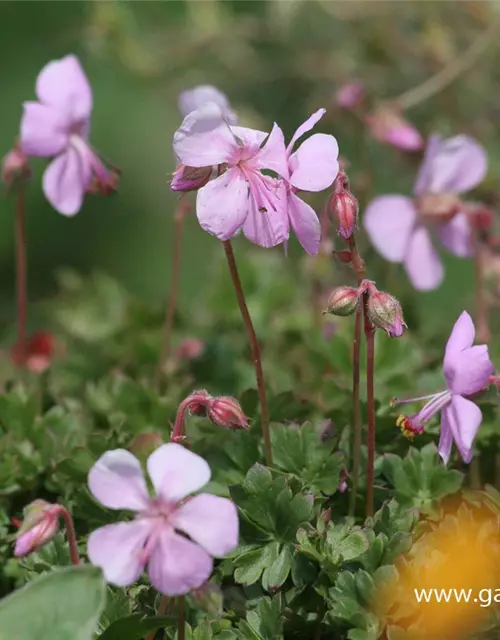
{"points": [[370, 399], [21, 274], [448, 74], [254, 345], [359, 268], [70, 534], [179, 216]]}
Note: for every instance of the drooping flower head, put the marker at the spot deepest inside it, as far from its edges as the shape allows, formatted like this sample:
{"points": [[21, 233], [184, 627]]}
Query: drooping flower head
{"points": [[58, 126], [192, 99], [398, 225], [467, 370], [176, 536], [313, 167], [39, 526]]}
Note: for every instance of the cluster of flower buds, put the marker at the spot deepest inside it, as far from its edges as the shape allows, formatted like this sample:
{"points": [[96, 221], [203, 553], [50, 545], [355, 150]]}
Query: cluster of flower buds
{"points": [[383, 310], [40, 524], [15, 167], [343, 207], [223, 411]]}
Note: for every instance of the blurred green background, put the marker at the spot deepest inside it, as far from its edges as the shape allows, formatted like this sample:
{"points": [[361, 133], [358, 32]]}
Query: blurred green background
{"points": [[276, 60]]}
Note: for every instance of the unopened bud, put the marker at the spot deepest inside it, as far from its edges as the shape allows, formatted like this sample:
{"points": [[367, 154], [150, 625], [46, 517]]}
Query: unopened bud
{"points": [[388, 125], [15, 167], [226, 412], [190, 178], [190, 349], [344, 256], [385, 312], [343, 301], [36, 353], [198, 402], [39, 526], [350, 94], [343, 209]]}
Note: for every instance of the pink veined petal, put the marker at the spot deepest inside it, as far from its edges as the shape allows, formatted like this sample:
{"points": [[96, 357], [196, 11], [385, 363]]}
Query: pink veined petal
{"points": [[456, 235], [468, 372], [305, 224], [464, 418], [389, 221], [176, 472], [65, 180], [252, 138], [267, 223], [43, 130], [459, 165], [425, 172], [314, 166], [273, 154], [177, 565], [119, 550], [63, 84], [422, 261], [211, 522], [116, 481], [205, 139], [445, 438], [305, 127], [194, 98], [461, 337], [222, 205]]}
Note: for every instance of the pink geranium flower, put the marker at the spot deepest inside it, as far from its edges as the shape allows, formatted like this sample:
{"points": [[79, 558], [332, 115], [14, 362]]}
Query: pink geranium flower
{"points": [[313, 167], [399, 232], [192, 99], [176, 536], [57, 126], [467, 370], [243, 197]]}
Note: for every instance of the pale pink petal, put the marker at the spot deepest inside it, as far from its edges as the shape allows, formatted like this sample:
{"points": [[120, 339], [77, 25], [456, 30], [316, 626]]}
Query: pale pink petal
{"points": [[456, 235], [422, 261], [445, 437], [63, 84], [305, 224], [425, 172], [65, 180], [468, 372], [252, 139], [389, 221], [119, 550], [306, 126], [314, 166], [116, 481], [464, 418], [210, 521], [176, 472], [43, 130], [194, 98], [461, 337], [177, 565], [222, 205], [404, 136], [267, 221], [273, 154], [459, 164], [204, 138]]}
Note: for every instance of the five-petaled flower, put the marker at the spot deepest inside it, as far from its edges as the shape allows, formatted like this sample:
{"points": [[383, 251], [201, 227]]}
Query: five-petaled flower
{"points": [[467, 370], [397, 225], [175, 536], [57, 126]]}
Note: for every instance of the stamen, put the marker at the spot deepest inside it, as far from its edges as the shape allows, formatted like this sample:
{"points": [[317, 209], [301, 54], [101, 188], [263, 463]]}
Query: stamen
{"points": [[408, 428]]}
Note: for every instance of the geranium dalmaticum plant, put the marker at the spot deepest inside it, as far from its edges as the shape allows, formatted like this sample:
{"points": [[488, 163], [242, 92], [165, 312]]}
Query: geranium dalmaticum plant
{"points": [[398, 225], [58, 126], [467, 370], [175, 536]]}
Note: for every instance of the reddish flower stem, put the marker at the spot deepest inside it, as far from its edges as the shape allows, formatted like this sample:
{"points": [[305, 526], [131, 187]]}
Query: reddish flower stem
{"points": [[21, 274], [70, 534], [181, 628], [254, 344], [370, 398], [179, 431], [179, 216], [359, 267]]}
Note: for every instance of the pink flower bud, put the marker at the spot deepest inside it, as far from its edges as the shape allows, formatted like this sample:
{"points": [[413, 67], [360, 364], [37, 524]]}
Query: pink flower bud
{"points": [[343, 301], [385, 312], [344, 256], [226, 412], [343, 210], [350, 94], [190, 349], [198, 402], [39, 526], [388, 125], [190, 178], [15, 167]]}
